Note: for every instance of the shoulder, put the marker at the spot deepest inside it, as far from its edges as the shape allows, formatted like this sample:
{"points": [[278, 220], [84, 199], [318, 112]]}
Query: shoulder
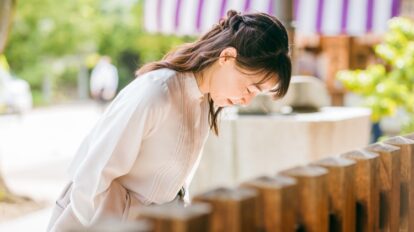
{"points": [[152, 88]]}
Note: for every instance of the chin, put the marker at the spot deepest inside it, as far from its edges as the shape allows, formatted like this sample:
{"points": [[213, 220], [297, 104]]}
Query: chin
{"points": [[222, 103]]}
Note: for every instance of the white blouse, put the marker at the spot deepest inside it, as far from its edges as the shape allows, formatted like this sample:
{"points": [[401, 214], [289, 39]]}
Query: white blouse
{"points": [[149, 139]]}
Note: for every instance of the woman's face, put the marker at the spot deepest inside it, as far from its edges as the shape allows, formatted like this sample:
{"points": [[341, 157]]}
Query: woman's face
{"points": [[230, 85]]}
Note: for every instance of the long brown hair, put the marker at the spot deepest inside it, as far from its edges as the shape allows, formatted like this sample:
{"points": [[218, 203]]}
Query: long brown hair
{"points": [[262, 46]]}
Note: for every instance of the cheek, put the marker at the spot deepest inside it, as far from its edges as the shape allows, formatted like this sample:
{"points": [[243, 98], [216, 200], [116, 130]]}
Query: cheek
{"points": [[225, 92], [227, 87]]}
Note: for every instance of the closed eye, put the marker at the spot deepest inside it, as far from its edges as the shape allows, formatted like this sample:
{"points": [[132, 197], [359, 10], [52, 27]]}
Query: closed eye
{"points": [[253, 89]]}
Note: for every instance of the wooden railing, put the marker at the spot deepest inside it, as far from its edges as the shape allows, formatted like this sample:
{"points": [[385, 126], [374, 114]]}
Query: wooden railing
{"points": [[371, 189]]}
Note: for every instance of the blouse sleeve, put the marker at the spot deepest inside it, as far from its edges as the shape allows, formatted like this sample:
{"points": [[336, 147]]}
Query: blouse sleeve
{"points": [[112, 147]]}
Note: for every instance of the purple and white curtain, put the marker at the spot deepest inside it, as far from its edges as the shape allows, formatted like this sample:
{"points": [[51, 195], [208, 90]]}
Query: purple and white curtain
{"points": [[327, 17], [351, 17]]}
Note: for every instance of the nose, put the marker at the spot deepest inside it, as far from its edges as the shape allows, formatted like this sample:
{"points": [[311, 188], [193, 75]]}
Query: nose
{"points": [[247, 99]]}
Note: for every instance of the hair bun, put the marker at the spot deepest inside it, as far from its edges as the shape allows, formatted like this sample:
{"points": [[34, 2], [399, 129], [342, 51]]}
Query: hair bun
{"points": [[231, 13], [233, 20]]}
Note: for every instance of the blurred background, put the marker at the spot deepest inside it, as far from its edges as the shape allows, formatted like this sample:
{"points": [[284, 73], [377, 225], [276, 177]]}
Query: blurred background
{"points": [[61, 63]]}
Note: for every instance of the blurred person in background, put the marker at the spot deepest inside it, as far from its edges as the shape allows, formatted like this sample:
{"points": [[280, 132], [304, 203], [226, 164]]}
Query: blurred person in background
{"points": [[147, 145], [104, 80]]}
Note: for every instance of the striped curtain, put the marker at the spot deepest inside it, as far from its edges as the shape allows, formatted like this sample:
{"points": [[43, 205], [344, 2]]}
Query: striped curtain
{"points": [[326, 17], [350, 17]]}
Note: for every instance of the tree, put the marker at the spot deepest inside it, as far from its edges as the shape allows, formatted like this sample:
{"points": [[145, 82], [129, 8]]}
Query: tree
{"points": [[54, 38], [388, 87]]}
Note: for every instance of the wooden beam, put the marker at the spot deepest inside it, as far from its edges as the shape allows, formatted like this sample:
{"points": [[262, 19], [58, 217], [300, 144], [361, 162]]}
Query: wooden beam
{"points": [[389, 172], [232, 209], [341, 189], [277, 206], [312, 197], [366, 189], [175, 217], [407, 181]]}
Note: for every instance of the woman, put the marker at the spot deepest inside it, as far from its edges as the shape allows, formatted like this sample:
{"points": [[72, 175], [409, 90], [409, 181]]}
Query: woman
{"points": [[146, 147]]}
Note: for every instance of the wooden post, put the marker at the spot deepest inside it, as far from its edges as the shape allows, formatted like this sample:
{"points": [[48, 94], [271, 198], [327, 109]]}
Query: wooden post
{"points": [[283, 10], [337, 52], [233, 210], [6, 15], [366, 189], [177, 218], [312, 197], [341, 192], [116, 225], [407, 181], [389, 173], [277, 206]]}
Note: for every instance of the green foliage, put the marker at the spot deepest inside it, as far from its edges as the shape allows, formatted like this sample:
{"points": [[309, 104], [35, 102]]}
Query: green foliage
{"points": [[55, 38], [389, 86]]}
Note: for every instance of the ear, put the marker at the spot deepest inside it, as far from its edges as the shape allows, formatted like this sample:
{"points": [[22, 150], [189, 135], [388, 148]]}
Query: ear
{"points": [[227, 54]]}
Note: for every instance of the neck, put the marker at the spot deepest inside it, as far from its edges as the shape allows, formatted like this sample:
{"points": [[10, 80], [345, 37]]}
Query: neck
{"points": [[204, 77]]}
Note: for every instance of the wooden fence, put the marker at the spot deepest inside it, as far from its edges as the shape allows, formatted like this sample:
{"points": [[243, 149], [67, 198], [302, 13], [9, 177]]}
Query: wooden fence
{"points": [[371, 189]]}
